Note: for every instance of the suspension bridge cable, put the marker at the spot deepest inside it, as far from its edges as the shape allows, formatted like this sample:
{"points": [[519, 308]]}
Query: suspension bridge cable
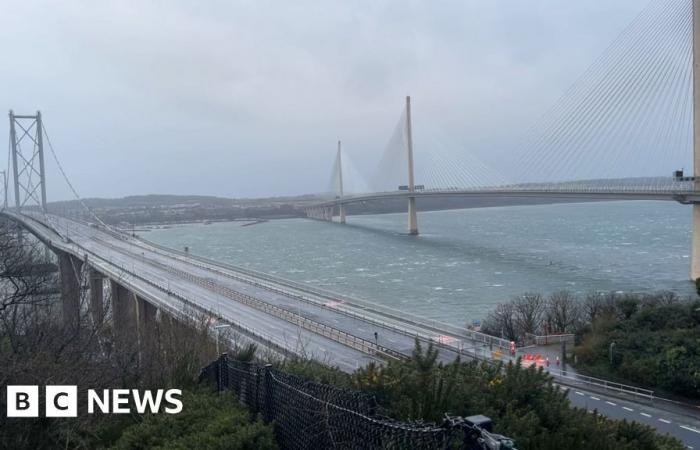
{"points": [[70, 185]]}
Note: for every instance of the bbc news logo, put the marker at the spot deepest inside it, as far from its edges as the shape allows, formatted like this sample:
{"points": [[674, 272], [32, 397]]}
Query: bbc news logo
{"points": [[62, 401]]}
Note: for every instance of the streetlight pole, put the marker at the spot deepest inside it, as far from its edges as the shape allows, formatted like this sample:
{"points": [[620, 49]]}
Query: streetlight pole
{"points": [[612, 345]]}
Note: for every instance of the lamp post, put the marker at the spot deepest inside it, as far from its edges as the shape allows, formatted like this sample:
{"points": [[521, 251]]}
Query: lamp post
{"points": [[218, 329], [612, 345]]}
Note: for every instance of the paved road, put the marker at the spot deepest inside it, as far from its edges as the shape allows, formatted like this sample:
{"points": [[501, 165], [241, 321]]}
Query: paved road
{"points": [[681, 426]]}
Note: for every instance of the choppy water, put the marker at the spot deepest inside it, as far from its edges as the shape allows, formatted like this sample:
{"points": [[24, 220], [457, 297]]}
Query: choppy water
{"points": [[465, 261]]}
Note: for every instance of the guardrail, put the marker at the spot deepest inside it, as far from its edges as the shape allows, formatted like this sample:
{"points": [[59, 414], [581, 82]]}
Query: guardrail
{"points": [[550, 339], [334, 334], [339, 308], [564, 378], [435, 326]]}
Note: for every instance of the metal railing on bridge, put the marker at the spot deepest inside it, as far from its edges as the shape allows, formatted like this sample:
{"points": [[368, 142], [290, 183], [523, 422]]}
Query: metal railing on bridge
{"points": [[334, 334], [341, 303]]}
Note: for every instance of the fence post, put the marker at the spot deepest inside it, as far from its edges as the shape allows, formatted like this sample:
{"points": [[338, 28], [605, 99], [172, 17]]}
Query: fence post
{"points": [[267, 392], [222, 373], [256, 404]]}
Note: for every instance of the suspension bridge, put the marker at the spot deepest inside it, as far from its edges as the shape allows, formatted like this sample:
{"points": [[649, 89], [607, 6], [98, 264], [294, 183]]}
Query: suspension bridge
{"points": [[623, 131]]}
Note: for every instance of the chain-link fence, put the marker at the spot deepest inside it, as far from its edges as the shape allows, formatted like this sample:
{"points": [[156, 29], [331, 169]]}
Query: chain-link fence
{"points": [[309, 415]]}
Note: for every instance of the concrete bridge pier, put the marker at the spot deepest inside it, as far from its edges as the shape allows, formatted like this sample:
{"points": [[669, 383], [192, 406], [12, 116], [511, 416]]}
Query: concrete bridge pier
{"points": [[123, 312], [412, 217], [146, 321], [341, 213], [134, 317], [695, 245], [70, 270], [339, 161], [97, 308]]}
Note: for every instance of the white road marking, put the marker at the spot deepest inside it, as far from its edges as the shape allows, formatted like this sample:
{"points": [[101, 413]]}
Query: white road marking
{"points": [[626, 408], [611, 403], [645, 414], [664, 421], [594, 398], [579, 393], [690, 429]]}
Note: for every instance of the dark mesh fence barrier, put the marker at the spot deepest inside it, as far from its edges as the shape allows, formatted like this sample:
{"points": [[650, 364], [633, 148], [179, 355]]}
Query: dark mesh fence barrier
{"points": [[309, 415]]}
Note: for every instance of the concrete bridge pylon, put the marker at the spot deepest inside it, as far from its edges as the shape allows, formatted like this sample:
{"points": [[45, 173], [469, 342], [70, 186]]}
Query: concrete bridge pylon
{"points": [[412, 216], [695, 246], [341, 205]]}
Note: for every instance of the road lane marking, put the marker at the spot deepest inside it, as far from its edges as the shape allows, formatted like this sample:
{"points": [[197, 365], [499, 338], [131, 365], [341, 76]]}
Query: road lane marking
{"points": [[595, 398], [664, 421], [645, 414], [685, 427], [611, 403], [626, 408], [579, 393]]}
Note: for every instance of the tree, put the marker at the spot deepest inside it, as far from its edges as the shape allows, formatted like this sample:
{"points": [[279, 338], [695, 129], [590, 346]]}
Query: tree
{"points": [[562, 312], [501, 322], [529, 313]]}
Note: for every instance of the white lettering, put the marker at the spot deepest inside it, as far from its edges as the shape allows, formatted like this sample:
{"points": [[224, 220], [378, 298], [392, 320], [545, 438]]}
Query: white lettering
{"points": [[147, 400], [102, 403], [176, 402], [120, 397]]}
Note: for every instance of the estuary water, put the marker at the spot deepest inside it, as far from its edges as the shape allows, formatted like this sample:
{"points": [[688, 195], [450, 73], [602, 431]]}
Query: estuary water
{"points": [[465, 261]]}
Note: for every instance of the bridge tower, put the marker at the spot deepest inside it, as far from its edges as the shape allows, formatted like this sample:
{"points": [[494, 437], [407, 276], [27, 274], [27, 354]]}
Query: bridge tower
{"points": [[29, 176], [695, 251], [412, 217], [341, 205]]}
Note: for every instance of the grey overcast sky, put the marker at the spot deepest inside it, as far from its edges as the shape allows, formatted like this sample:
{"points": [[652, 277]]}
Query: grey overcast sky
{"points": [[247, 98]]}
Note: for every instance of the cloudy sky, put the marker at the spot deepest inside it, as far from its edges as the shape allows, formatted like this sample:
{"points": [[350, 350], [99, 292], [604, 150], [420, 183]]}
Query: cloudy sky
{"points": [[247, 98]]}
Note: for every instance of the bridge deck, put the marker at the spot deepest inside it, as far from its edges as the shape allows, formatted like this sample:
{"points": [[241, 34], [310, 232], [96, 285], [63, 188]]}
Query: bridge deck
{"points": [[208, 286], [683, 194]]}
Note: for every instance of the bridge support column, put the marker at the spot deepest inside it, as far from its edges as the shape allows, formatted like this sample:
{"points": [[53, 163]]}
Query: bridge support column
{"points": [[97, 307], [123, 311], [695, 250], [412, 217], [339, 163], [70, 273], [146, 319]]}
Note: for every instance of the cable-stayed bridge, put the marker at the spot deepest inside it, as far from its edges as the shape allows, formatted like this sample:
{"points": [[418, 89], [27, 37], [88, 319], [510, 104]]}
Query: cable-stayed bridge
{"points": [[622, 131], [625, 130]]}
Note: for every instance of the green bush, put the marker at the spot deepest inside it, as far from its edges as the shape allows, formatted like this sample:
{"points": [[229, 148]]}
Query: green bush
{"points": [[208, 421], [655, 345], [523, 403]]}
